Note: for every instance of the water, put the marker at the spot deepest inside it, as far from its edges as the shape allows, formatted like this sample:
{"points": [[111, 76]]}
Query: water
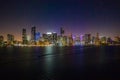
{"points": [[60, 63]]}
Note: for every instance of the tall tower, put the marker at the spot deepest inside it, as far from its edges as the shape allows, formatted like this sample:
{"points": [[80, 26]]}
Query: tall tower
{"points": [[33, 32], [61, 31], [97, 40], [24, 36]]}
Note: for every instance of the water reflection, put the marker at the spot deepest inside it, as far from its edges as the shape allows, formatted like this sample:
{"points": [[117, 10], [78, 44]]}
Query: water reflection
{"points": [[49, 50], [49, 60], [101, 55], [82, 55]]}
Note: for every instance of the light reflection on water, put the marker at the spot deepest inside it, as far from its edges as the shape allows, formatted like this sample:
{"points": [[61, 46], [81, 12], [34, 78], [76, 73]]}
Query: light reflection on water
{"points": [[101, 55], [49, 61]]}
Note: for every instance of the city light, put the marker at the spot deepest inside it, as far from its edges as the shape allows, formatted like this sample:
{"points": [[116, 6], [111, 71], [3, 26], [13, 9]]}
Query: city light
{"points": [[49, 32], [55, 39]]}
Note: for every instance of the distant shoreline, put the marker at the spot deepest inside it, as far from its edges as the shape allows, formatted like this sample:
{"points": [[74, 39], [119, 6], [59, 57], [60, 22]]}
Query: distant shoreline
{"points": [[60, 46]]}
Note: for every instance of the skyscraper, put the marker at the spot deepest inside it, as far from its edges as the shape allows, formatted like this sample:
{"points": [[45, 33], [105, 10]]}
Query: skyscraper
{"points": [[70, 42], [97, 40], [87, 38], [62, 31], [33, 33], [37, 36], [10, 38], [54, 37], [24, 36]]}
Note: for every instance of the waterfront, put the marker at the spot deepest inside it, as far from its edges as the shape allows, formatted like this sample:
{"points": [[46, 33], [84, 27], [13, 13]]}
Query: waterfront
{"points": [[60, 63]]}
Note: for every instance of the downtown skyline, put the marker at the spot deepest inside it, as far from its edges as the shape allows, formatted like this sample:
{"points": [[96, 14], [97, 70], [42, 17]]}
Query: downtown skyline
{"points": [[18, 35], [76, 17]]}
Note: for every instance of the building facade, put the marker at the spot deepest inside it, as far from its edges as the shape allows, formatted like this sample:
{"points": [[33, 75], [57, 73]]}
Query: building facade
{"points": [[24, 36]]}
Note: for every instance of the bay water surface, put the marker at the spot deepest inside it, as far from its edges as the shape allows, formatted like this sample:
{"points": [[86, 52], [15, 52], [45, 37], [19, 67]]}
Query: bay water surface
{"points": [[60, 63]]}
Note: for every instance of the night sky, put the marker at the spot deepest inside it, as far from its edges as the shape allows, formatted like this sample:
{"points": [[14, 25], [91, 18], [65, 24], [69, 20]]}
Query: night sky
{"points": [[75, 16]]}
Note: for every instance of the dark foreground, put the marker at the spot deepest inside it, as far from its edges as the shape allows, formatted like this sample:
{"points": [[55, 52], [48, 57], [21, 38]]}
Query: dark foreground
{"points": [[60, 63]]}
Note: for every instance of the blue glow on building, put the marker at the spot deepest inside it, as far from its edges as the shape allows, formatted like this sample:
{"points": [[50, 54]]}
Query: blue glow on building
{"points": [[37, 36]]}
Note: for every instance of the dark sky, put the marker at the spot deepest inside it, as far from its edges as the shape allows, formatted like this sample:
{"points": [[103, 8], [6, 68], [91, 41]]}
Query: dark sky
{"points": [[76, 16]]}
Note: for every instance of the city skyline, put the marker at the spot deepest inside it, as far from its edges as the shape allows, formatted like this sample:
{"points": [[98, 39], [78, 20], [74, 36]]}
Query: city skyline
{"points": [[77, 17], [28, 33]]}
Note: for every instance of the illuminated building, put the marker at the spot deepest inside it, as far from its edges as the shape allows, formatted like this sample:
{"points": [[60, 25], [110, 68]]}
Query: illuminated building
{"points": [[62, 31], [82, 40], [117, 40], [24, 36], [1, 40], [93, 40], [64, 40], [109, 40], [33, 33], [70, 42], [48, 36], [28, 38], [77, 40], [54, 38], [103, 40], [51, 37], [37, 36], [44, 37], [10, 38], [87, 39], [59, 40], [97, 40]]}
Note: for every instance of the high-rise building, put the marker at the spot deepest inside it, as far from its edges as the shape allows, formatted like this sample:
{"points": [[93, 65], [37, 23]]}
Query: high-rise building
{"points": [[51, 37], [77, 40], [33, 35], [45, 37], [70, 38], [62, 41], [62, 31], [54, 37], [87, 38], [93, 40], [97, 40], [24, 36], [37, 36], [103, 40], [10, 38]]}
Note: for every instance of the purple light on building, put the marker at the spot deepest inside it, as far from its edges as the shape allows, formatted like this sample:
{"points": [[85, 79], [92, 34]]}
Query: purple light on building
{"points": [[74, 37], [81, 37]]}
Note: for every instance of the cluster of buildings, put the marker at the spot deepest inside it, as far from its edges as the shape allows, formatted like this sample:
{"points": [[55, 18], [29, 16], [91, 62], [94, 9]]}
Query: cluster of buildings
{"points": [[52, 38]]}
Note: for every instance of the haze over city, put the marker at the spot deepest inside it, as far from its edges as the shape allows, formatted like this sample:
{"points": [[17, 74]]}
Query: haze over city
{"points": [[75, 16]]}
